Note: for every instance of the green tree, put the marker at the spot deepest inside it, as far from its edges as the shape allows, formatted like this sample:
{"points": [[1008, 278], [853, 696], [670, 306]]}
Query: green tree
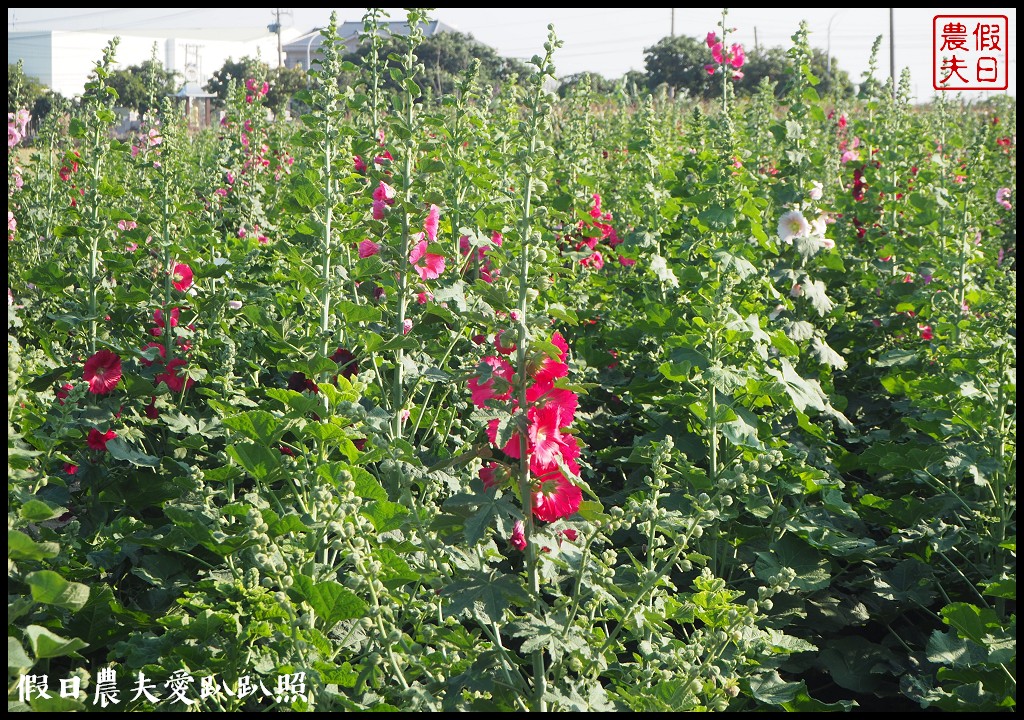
{"points": [[446, 57], [142, 87], [237, 70], [22, 90], [598, 83], [679, 62], [772, 63], [284, 83]]}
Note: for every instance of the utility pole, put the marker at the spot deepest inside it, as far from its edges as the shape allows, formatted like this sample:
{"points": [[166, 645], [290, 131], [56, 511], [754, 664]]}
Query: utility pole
{"points": [[275, 27], [892, 52], [756, 46], [672, 31]]}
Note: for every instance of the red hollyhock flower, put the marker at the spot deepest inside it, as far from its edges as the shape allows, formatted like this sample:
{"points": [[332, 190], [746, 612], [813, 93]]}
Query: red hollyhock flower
{"points": [[64, 391], [298, 382], [181, 278], [347, 365], [102, 372], [555, 497], [151, 412], [174, 381], [162, 352], [70, 469], [98, 440]]}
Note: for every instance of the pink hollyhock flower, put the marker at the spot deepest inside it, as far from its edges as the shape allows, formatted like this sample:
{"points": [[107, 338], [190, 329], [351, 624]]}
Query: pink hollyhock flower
{"points": [[379, 209], [626, 262], [359, 164], [406, 326], [545, 438], [505, 348], [595, 261], [738, 75], [102, 371], [13, 136], [181, 278], [223, 192], [711, 39], [716, 52], [235, 304], [511, 447], [926, 332], [555, 497], [849, 156], [1002, 197], [175, 382], [162, 352], [384, 193], [158, 318], [98, 441], [710, 69], [430, 224], [153, 137], [816, 191], [12, 224], [433, 264], [498, 386], [368, 248], [737, 57], [518, 539], [796, 291]]}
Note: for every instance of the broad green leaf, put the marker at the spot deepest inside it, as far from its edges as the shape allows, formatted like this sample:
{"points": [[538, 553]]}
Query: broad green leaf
{"points": [[39, 511], [50, 588], [46, 644], [258, 425], [21, 547], [258, 460], [770, 688], [17, 661], [950, 649]]}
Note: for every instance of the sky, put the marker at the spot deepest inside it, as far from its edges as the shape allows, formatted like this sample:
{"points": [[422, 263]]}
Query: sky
{"points": [[609, 41]]}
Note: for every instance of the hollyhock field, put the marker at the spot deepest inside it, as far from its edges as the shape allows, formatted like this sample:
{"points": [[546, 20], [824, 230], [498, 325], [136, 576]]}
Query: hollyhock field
{"points": [[499, 401]]}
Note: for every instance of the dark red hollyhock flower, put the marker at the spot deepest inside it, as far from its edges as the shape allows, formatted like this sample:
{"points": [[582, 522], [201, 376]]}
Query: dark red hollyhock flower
{"points": [[151, 412], [285, 450], [175, 382], [102, 372], [98, 440], [299, 382], [360, 444], [347, 365], [70, 469]]}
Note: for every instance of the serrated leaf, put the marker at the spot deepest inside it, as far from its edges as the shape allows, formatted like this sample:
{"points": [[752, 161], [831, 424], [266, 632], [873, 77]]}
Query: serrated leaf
{"points": [[331, 601], [258, 460], [488, 593], [770, 688], [258, 425]]}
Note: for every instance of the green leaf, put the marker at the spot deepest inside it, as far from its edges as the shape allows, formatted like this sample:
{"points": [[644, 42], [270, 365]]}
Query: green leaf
{"points": [[485, 593], [970, 621], [120, 450], [21, 547], [258, 425], [812, 571], [258, 460], [385, 515], [950, 649], [331, 601], [45, 644], [770, 688], [804, 393], [18, 662], [50, 588], [39, 511]]}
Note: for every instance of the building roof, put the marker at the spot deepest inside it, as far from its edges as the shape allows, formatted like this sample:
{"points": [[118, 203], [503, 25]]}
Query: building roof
{"points": [[349, 32]]}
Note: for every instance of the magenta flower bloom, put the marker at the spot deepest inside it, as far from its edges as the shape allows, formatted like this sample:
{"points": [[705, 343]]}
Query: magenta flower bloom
{"points": [[359, 164], [555, 497], [181, 278], [518, 539], [368, 248], [716, 52], [737, 57], [384, 193], [501, 374], [433, 264], [712, 39], [102, 372], [430, 224], [710, 69]]}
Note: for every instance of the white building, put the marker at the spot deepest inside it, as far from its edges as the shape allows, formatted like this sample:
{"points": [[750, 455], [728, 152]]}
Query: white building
{"points": [[62, 60]]}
